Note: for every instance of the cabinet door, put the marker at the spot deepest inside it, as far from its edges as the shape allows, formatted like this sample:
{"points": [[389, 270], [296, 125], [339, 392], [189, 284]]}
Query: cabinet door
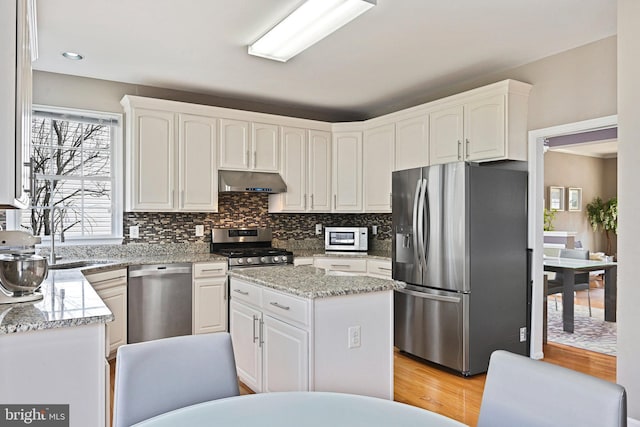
{"points": [[286, 357], [265, 146], [234, 144], [319, 175], [412, 143], [197, 160], [378, 162], [116, 299], [152, 155], [485, 129], [294, 168], [347, 172], [247, 349], [445, 135], [210, 305]]}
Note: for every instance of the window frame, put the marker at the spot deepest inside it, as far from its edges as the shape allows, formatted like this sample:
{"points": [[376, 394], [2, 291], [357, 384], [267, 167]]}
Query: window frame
{"points": [[117, 174]]}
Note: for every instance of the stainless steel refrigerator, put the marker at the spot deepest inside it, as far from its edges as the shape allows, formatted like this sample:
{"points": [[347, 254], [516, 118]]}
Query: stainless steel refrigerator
{"points": [[460, 245]]}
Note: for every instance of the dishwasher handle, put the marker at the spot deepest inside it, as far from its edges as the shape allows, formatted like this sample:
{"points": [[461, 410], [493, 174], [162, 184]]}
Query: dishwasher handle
{"points": [[159, 270]]}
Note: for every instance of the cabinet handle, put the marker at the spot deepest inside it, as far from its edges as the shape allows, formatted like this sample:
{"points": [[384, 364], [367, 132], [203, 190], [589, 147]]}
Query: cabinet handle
{"points": [[311, 197], [241, 292], [282, 307], [384, 268], [205, 270], [459, 147], [341, 265], [335, 201], [246, 160], [466, 149], [255, 159], [390, 200], [254, 328], [224, 291], [261, 340]]}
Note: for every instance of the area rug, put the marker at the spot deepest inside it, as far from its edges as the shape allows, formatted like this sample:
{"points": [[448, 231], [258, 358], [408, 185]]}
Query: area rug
{"points": [[590, 333]]}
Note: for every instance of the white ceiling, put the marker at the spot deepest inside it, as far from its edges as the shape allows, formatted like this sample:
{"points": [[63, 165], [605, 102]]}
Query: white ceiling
{"points": [[387, 56], [603, 149]]}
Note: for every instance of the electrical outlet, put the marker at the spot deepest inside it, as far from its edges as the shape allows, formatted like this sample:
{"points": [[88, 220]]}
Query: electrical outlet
{"points": [[354, 336], [318, 229], [523, 334], [134, 232], [199, 230], [374, 229]]}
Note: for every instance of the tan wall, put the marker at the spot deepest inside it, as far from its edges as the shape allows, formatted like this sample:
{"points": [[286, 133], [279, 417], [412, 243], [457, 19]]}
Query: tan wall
{"points": [[591, 174], [628, 370]]}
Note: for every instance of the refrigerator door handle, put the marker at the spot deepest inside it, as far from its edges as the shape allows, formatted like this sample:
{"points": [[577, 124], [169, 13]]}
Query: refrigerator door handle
{"points": [[416, 199], [429, 296], [427, 234], [423, 257]]}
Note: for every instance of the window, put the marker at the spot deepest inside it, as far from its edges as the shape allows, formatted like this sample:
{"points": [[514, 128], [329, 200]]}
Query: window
{"points": [[76, 169]]}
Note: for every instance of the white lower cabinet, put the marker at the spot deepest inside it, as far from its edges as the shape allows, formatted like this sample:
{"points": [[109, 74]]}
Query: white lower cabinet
{"points": [[284, 342], [111, 286], [209, 297]]}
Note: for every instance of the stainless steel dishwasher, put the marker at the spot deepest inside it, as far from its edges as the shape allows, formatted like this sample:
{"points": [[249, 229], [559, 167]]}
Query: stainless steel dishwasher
{"points": [[159, 301]]}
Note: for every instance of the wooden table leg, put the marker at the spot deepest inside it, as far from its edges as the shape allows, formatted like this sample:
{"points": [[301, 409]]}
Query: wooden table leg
{"points": [[610, 293], [568, 279]]}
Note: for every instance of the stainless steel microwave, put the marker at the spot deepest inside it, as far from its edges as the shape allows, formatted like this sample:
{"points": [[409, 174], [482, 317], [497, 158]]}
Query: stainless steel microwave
{"points": [[348, 239]]}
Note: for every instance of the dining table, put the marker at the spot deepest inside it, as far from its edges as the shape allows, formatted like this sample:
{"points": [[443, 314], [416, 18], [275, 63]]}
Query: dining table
{"points": [[300, 408], [569, 267]]}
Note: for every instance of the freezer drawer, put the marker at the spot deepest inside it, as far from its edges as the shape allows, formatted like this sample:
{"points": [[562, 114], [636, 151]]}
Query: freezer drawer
{"points": [[431, 324]]}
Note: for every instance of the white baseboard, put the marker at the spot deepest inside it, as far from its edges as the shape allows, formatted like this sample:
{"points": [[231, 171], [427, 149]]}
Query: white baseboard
{"points": [[631, 422], [539, 355]]}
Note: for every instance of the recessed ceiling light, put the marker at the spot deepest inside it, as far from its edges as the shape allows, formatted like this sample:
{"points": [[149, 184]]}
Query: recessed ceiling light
{"points": [[72, 55]]}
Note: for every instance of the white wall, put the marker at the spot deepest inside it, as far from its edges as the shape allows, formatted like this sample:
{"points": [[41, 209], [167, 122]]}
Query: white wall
{"points": [[629, 201]]}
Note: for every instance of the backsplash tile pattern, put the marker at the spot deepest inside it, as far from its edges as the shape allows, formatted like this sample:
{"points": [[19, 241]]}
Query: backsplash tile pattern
{"points": [[3, 220], [245, 210]]}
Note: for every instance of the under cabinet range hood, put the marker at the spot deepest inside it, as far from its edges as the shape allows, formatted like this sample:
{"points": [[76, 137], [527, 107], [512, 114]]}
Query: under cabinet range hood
{"points": [[250, 182]]}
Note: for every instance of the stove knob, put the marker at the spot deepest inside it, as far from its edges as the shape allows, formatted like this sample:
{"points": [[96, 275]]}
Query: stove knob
{"points": [[276, 258], [240, 261], [264, 260], [249, 260]]}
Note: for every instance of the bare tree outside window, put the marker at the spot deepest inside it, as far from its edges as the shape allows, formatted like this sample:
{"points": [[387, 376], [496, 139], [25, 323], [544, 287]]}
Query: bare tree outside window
{"points": [[72, 167]]}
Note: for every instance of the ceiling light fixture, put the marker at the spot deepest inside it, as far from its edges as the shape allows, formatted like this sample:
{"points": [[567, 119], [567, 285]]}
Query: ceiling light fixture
{"points": [[310, 23], [72, 55]]}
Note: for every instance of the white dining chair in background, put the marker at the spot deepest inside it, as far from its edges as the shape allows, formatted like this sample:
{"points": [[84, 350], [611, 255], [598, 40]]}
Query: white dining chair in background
{"points": [[158, 376]]}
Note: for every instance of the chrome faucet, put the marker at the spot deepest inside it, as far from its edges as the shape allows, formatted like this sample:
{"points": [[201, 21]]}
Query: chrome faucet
{"points": [[52, 232]]}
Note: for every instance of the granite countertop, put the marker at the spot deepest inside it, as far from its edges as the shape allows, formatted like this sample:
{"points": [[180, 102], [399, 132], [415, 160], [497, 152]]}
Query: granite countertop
{"points": [[113, 263], [68, 300], [311, 282], [317, 253]]}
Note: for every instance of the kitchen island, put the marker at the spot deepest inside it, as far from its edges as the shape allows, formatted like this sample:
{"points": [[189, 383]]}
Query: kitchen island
{"points": [[52, 351], [303, 328]]}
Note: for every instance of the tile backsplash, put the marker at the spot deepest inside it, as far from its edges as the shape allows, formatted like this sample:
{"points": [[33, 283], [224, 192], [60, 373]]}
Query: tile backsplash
{"points": [[245, 210]]}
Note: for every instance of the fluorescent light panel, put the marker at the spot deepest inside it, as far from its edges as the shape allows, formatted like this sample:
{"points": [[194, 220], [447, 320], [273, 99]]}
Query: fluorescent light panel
{"points": [[310, 23]]}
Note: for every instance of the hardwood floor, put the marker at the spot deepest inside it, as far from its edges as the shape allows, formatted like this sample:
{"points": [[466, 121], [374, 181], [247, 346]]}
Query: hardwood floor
{"points": [[420, 384]]}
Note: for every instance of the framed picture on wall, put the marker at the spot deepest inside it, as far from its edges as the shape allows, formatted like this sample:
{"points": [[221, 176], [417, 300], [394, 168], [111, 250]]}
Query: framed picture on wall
{"points": [[556, 198], [575, 199]]}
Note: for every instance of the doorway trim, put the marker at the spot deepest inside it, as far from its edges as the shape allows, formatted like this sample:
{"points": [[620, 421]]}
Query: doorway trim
{"points": [[536, 206]]}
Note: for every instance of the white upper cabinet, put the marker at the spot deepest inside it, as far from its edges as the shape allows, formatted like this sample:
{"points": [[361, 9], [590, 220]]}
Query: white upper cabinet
{"points": [[248, 146], [378, 164], [265, 147], [412, 142], [347, 172], [17, 31], [319, 171], [197, 157], [150, 160], [170, 160], [234, 144], [446, 135], [305, 164], [485, 124]]}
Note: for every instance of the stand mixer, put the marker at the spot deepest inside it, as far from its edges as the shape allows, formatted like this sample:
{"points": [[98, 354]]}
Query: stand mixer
{"points": [[21, 271]]}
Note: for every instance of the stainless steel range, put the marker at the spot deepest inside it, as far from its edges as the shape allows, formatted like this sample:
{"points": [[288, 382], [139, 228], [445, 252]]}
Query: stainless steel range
{"points": [[248, 247]]}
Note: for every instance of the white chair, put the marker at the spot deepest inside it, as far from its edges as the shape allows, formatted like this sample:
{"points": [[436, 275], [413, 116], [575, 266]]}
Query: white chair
{"points": [[158, 376], [530, 393]]}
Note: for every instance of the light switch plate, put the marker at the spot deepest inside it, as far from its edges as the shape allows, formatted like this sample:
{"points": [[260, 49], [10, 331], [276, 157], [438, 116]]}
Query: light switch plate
{"points": [[318, 229], [134, 232], [199, 230]]}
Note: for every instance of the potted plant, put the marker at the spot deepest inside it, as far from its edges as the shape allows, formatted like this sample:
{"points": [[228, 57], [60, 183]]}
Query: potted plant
{"points": [[605, 215], [549, 216]]}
